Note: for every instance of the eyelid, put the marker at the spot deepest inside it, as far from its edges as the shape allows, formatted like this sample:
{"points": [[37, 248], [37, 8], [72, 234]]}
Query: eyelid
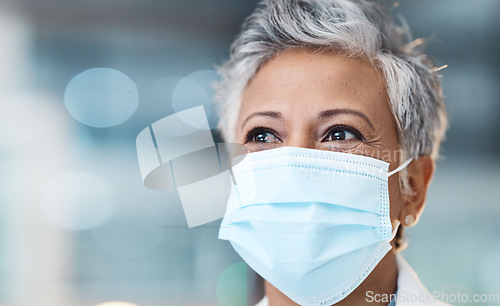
{"points": [[349, 129], [259, 129]]}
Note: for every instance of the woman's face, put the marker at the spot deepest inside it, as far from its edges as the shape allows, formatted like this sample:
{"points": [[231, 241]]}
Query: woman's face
{"points": [[322, 101]]}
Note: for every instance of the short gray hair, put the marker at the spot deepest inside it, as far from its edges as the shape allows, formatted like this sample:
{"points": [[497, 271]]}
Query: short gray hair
{"points": [[354, 28]]}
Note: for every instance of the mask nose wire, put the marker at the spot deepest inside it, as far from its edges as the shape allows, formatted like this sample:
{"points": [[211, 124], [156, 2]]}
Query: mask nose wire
{"points": [[401, 167]]}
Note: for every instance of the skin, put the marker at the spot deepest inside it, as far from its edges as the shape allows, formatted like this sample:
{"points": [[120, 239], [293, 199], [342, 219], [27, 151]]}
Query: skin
{"points": [[326, 101]]}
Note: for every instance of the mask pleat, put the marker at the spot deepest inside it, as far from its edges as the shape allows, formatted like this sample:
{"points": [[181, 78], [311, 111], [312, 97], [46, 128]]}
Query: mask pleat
{"points": [[313, 223]]}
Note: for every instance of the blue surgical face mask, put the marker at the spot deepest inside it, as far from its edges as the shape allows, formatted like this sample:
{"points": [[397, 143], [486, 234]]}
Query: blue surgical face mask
{"points": [[313, 223]]}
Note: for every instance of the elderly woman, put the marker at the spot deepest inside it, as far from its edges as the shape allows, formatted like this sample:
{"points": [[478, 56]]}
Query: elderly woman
{"points": [[342, 121]]}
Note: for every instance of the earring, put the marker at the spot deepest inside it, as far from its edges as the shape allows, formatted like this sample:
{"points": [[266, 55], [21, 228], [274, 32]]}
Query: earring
{"points": [[409, 219]]}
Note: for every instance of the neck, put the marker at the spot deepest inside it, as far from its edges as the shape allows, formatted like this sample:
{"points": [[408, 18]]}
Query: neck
{"points": [[382, 280]]}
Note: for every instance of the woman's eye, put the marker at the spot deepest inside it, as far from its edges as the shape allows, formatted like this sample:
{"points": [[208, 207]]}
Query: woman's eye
{"points": [[261, 136], [341, 134]]}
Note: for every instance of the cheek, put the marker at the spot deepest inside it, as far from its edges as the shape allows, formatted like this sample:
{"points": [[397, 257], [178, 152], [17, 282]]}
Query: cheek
{"points": [[395, 197]]}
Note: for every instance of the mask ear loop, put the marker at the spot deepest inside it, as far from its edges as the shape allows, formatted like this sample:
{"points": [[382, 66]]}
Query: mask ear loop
{"points": [[401, 167], [395, 231]]}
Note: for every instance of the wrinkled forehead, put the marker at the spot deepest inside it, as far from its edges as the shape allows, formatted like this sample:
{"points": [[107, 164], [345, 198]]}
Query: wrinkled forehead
{"points": [[301, 83]]}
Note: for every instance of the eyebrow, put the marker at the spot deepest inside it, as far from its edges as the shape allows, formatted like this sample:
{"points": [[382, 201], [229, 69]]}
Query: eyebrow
{"points": [[323, 115], [274, 115], [340, 111]]}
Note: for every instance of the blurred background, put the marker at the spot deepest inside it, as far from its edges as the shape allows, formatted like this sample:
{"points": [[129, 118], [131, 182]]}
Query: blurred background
{"points": [[77, 225]]}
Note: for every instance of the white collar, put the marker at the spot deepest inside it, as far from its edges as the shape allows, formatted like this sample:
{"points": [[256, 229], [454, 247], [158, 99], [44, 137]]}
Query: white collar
{"points": [[411, 291]]}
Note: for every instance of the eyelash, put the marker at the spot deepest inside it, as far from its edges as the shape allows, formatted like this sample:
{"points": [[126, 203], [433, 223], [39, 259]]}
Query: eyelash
{"points": [[255, 131], [349, 129]]}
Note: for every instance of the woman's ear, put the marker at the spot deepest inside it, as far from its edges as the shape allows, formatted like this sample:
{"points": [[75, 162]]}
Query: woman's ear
{"points": [[420, 173]]}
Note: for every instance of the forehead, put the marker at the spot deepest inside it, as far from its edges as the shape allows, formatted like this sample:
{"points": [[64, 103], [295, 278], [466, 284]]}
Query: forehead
{"points": [[301, 82]]}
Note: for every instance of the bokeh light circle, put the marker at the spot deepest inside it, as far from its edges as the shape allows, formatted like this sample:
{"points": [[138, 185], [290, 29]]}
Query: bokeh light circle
{"points": [[232, 285], [101, 97], [77, 201], [194, 90]]}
